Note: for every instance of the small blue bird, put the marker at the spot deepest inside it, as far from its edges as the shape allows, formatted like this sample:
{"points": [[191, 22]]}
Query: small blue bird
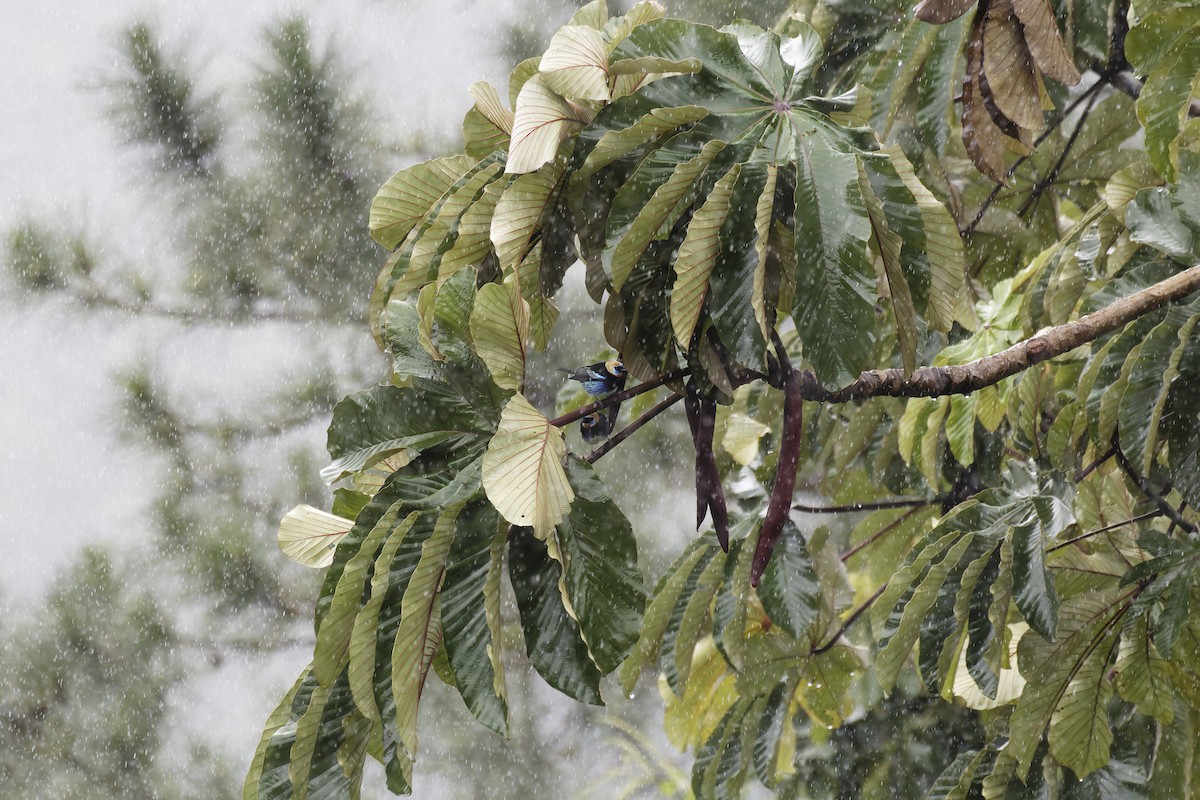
{"points": [[601, 379], [598, 425]]}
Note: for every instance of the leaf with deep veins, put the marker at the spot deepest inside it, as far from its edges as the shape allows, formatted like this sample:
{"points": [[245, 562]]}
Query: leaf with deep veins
{"points": [[500, 329], [309, 536], [420, 632], [543, 119], [575, 64], [523, 472]]}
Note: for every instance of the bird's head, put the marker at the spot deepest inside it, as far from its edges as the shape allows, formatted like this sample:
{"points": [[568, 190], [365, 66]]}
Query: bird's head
{"points": [[615, 367]]}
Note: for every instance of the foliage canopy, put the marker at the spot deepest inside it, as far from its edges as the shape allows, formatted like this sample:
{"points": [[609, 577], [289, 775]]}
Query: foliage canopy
{"points": [[761, 224]]}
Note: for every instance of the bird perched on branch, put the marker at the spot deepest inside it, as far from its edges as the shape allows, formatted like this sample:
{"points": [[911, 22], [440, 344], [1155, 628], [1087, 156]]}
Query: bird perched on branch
{"points": [[598, 424], [601, 379]]}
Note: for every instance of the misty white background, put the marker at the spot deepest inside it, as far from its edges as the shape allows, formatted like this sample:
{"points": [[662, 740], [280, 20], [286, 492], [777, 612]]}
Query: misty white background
{"points": [[65, 480]]}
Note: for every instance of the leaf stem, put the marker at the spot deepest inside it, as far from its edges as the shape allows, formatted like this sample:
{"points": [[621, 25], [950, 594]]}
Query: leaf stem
{"points": [[619, 397], [1148, 490]]}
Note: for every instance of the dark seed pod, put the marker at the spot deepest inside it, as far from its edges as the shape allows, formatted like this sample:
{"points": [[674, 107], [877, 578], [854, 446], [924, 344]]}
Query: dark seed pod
{"points": [[702, 418], [785, 476]]}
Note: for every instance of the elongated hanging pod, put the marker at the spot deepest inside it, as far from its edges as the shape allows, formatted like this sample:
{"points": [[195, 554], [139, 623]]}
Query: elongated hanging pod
{"points": [[785, 474], [702, 418]]}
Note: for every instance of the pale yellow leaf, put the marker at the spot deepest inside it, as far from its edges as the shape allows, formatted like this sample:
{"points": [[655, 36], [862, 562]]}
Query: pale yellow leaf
{"points": [[523, 472], [1010, 683], [576, 63], [543, 119], [697, 257], [519, 213], [499, 330], [487, 100], [310, 536], [742, 435]]}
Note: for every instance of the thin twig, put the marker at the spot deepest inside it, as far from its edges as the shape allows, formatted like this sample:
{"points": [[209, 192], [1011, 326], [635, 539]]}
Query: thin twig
{"points": [[876, 506], [850, 620], [1045, 183], [1083, 473], [1012, 170], [619, 397], [1171, 527], [1148, 490], [629, 429], [879, 534], [1105, 529]]}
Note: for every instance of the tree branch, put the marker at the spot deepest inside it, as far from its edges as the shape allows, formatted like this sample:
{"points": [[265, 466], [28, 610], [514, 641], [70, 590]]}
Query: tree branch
{"points": [[629, 429], [1105, 529], [1012, 170], [93, 294], [1045, 183], [619, 397], [989, 370]]}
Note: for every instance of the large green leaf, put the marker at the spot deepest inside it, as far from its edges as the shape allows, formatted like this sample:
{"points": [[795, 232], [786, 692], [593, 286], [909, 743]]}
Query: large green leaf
{"points": [[602, 581], [698, 256], [408, 196], [662, 603], [1087, 639], [500, 331], [420, 632], [789, 586], [835, 284], [552, 637], [749, 104], [470, 611], [333, 636], [1164, 101], [951, 573]]}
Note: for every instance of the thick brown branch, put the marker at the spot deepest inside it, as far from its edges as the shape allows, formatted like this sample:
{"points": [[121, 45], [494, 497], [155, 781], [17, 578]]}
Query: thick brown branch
{"points": [[989, 370]]}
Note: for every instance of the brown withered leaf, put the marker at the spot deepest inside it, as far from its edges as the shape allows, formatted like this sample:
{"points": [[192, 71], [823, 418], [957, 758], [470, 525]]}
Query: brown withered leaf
{"points": [[1008, 65], [1044, 41], [939, 12], [981, 135]]}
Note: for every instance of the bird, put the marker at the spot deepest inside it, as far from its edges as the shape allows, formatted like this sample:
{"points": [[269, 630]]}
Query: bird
{"points": [[600, 380], [598, 424]]}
